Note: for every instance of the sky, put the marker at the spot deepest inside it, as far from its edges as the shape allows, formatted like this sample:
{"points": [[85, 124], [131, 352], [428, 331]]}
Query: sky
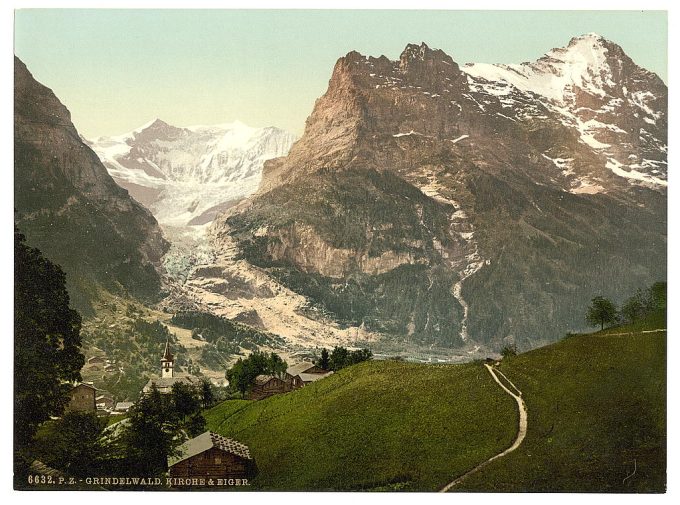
{"points": [[118, 69]]}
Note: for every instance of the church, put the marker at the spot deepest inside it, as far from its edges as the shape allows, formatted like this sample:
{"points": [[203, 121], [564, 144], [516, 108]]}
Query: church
{"points": [[168, 378]]}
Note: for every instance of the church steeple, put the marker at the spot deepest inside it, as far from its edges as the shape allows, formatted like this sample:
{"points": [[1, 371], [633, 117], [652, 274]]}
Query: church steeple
{"points": [[167, 362]]}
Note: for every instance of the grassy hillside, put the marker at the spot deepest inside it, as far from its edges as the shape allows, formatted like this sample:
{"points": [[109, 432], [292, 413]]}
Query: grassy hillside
{"points": [[377, 425], [596, 406], [597, 412]]}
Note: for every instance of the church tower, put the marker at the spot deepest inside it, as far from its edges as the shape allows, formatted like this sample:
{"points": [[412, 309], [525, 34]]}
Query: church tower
{"points": [[167, 362]]}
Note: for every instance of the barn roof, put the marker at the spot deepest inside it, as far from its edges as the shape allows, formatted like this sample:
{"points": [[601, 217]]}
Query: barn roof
{"points": [[311, 377], [263, 379], [206, 441], [299, 368]]}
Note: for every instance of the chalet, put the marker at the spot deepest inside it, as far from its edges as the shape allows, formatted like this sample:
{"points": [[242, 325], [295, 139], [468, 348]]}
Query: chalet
{"points": [[168, 378], [212, 456], [265, 386], [98, 360], [105, 402], [122, 407], [82, 398], [309, 368], [301, 374]]}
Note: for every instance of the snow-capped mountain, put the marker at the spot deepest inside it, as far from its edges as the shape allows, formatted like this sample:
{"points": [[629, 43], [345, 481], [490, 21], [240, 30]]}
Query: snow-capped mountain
{"points": [[185, 176], [616, 107], [464, 205]]}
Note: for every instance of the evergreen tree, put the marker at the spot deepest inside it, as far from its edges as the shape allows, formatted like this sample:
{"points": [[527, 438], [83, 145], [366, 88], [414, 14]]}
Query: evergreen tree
{"points": [[72, 444], [46, 343], [207, 394], [324, 362], [151, 434]]}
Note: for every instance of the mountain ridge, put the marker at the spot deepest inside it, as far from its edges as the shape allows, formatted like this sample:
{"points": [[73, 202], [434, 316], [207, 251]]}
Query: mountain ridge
{"points": [[69, 207], [187, 175], [496, 169]]}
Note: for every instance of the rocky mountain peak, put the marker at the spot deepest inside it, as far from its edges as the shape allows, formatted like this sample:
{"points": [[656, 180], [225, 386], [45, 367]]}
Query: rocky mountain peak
{"points": [[420, 63], [157, 129]]}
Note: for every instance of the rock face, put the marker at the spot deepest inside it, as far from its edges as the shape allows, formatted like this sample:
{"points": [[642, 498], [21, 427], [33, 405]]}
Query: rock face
{"points": [[476, 204], [186, 176], [69, 206]]}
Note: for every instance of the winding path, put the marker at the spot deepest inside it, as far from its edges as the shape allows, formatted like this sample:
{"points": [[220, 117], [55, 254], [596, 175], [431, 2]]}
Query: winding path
{"points": [[521, 432]]}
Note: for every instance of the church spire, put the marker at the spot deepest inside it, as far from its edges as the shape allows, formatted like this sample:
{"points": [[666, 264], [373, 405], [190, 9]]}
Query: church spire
{"points": [[167, 361]]}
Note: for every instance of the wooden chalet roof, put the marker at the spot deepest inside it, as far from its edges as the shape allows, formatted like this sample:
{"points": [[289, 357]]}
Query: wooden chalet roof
{"points": [[260, 380], [299, 368], [206, 441]]}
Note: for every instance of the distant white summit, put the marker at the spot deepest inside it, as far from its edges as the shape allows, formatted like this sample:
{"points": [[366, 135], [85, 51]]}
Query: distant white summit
{"points": [[589, 62], [185, 176]]}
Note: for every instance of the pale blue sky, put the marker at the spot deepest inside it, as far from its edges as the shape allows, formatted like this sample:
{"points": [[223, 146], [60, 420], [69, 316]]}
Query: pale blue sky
{"points": [[117, 69]]}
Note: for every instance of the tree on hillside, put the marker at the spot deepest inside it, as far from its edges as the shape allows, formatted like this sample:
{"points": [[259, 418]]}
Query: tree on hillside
{"points": [[207, 394], [601, 311], [341, 357], [72, 443], [151, 434], [185, 400], [324, 362], [657, 295], [635, 307], [46, 342], [242, 374]]}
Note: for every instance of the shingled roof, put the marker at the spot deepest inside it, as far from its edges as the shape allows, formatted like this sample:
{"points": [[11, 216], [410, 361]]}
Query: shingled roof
{"points": [[206, 441], [299, 368], [263, 379]]}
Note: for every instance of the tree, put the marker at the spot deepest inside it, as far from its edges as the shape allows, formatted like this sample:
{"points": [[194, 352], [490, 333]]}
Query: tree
{"points": [[72, 443], [635, 307], [46, 342], [276, 365], [207, 393], [339, 358], [657, 296], [196, 425], [151, 434], [601, 311], [184, 400], [324, 362], [242, 374]]}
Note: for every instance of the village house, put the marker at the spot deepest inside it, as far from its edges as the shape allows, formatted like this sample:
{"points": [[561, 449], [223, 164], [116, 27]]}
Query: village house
{"points": [[301, 374], [82, 398], [296, 376], [168, 378], [212, 456], [123, 407], [265, 386], [105, 402], [98, 360]]}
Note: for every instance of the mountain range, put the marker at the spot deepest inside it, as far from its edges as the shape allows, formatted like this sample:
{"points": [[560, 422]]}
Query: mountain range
{"points": [[427, 204], [451, 205], [186, 176], [70, 208]]}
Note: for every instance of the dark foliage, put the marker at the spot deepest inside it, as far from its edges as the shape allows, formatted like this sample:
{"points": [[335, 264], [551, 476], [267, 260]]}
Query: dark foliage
{"points": [[340, 357], [72, 444], [46, 342], [244, 371], [601, 312]]}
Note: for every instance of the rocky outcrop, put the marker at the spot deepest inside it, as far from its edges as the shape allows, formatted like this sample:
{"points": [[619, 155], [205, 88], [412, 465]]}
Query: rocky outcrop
{"points": [[505, 196], [69, 206]]}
